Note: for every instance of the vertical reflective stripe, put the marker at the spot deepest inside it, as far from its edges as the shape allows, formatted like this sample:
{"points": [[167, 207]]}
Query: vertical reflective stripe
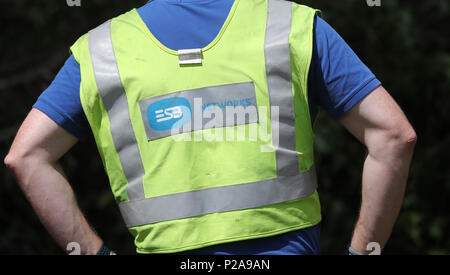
{"points": [[278, 73], [115, 101]]}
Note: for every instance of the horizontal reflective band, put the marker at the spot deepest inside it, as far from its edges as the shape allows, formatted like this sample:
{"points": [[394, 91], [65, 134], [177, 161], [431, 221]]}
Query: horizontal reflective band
{"points": [[197, 109], [218, 199]]}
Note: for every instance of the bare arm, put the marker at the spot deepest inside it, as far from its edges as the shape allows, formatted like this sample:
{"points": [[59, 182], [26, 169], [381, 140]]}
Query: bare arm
{"points": [[33, 159], [379, 123]]}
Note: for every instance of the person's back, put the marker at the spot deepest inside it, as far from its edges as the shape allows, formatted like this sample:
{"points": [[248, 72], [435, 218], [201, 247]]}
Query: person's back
{"points": [[206, 21]]}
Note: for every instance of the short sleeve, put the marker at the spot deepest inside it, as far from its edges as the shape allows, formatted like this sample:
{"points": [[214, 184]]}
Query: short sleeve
{"points": [[61, 100], [338, 79]]}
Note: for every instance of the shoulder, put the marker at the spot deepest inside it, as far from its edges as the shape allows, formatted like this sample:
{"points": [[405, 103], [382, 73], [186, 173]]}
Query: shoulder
{"points": [[302, 10], [83, 41]]}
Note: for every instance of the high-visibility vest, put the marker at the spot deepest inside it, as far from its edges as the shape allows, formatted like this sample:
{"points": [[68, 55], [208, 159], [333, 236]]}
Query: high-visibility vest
{"points": [[205, 146]]}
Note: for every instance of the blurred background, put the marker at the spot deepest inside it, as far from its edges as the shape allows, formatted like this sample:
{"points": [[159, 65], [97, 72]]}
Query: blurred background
{"points": [[405, 43]]}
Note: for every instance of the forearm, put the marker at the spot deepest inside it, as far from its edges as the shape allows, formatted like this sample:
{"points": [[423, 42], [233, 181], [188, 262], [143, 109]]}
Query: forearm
{"points": [[384, 180], [51, 196]]}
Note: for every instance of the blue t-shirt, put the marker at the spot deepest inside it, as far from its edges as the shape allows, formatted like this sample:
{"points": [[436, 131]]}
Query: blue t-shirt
{"points": [[337, 81]]}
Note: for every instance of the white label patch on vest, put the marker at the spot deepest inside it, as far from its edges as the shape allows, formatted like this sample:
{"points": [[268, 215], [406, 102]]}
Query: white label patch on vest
{"points": [[198, 109], [190, 56]]}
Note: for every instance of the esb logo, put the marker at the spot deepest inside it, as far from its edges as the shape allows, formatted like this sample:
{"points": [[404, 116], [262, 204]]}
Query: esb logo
{"points": [[169, 113]]}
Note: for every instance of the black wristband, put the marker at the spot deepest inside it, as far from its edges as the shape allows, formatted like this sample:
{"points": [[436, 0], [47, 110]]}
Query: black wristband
{"points": [[104, 250]]}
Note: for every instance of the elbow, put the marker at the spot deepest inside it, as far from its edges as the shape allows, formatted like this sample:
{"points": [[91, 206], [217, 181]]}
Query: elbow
{"points": [[395, 143], [407, 139], [23, 164], [17, 165], [400, 142], [11, 162], [20, 165]]}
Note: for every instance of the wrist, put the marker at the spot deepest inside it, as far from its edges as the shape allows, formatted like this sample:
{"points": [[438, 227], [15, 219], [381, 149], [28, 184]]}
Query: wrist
{"points": [[364, 248], [357, 247], [94, 246], [352, 251], [104, 250]]}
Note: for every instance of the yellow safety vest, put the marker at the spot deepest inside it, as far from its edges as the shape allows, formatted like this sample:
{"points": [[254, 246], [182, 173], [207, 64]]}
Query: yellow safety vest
{"points": [[205, 146]]}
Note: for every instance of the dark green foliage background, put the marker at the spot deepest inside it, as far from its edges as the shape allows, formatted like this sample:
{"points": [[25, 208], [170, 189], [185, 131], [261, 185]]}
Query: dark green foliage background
{"points": [[405, 43]]}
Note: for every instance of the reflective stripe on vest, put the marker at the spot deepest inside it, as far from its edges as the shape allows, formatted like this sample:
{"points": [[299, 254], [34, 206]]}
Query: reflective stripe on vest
{"points": [[289, 184], [115, 101]]}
